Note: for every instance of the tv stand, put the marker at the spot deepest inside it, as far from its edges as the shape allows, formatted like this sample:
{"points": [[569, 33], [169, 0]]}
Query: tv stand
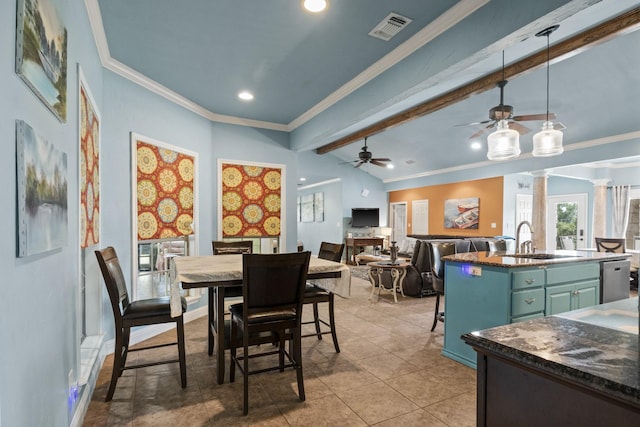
{"points": [[360, 242]]}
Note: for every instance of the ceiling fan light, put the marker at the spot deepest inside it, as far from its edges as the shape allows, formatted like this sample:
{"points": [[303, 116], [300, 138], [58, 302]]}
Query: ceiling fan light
{"points": [[547, 142], [504, 143]]}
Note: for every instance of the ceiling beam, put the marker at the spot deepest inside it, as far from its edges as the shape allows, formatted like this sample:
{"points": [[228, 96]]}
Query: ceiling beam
{"points": [[622, 24]]}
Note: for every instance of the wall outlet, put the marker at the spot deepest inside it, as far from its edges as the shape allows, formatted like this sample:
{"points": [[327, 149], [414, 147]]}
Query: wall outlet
{"points": [[493, 225], [476, 271]]}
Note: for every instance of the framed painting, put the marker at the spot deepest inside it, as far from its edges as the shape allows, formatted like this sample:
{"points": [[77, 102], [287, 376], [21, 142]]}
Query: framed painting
{"points": [[462, 213], [89, 167], [306, 208], [41, 53], [318, 206], [42, 193]]}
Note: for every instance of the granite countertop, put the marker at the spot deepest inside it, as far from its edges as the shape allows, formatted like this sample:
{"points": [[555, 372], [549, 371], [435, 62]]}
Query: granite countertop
{"points": [[596, 347], [506, 259]]}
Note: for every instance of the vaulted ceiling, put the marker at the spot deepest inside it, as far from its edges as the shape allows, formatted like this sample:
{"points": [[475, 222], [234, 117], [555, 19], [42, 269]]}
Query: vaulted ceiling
{"points": [[322, 78]]}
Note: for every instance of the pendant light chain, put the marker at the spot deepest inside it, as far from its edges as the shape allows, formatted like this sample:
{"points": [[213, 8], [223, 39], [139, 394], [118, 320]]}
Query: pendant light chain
{"points": [[548, 76]]}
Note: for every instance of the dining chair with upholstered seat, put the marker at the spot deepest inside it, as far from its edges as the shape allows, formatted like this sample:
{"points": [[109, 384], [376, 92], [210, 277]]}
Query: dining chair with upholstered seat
{"points": [[273, 292], [315, 295], [128, 314], [438, 250]]}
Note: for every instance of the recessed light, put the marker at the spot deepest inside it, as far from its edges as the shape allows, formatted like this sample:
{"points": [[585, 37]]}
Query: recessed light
{"points": [[303, 178], [475, 145], [315, 5], [390, 166], [245, 95]]}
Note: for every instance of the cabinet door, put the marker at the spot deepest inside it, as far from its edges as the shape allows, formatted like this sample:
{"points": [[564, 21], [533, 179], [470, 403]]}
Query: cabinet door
{"points": [[558, 299], [585, 295]]}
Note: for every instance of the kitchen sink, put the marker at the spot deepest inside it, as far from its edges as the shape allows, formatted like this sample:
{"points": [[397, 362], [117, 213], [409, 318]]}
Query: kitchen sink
{"points": [[540, 256]]}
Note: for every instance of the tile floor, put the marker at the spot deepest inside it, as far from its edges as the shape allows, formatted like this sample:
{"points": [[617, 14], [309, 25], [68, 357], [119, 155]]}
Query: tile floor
{"points": [[390, 372]]}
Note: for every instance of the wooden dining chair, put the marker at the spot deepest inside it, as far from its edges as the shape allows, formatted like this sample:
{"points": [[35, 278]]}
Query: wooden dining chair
{"points": [[273, 291], [128, 314], [608, 244], [315, 295]]}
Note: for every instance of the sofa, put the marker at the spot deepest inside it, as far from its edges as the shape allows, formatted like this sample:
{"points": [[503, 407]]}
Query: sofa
{"points": [[417, 282]]}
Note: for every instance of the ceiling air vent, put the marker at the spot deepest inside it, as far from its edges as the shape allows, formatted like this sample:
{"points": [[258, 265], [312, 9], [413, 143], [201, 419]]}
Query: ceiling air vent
{"points": [[390, 26]]}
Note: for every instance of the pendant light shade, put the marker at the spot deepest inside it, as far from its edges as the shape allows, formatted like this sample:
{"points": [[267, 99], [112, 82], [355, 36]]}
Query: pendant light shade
{"points": [[547, 142], [504, 143]]}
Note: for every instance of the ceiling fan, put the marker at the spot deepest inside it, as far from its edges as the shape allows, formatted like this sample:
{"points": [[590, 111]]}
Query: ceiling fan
{"points": [[505, 112], [365, 156]]}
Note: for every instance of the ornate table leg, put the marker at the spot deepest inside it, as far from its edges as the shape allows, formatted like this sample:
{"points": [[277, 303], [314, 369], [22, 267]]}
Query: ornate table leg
{"points": [[395, 274]]}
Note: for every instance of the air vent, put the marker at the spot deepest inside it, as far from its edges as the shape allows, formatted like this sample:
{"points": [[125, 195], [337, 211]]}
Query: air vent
{"points": [[390, 26], [410, 162]]}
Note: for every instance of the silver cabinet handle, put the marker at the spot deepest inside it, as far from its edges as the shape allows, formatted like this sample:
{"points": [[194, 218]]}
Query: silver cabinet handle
{"points": [[529, 281], [530, 300]]}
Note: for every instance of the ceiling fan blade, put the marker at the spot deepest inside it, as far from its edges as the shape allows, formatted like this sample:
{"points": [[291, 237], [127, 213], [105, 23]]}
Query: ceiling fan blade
{"points": [[477, 134], [377, 163], [520, 128], [381, 159], [360, 163], [559, 126], [475, 123], [527, 117]]}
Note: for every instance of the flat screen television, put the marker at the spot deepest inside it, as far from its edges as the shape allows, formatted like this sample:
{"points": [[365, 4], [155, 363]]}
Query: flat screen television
{"points": [[365, 217]]}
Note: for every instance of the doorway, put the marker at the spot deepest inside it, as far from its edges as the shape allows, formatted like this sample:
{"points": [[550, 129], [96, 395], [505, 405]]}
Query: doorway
{"points": [[398, 221], [566, 222]]}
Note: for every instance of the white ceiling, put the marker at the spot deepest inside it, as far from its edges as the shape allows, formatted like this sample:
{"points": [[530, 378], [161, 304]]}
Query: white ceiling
{"points": [[321, 77]]}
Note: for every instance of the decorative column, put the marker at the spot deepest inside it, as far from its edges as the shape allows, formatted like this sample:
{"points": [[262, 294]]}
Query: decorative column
{"points": [[539, 214], [599, 209]]}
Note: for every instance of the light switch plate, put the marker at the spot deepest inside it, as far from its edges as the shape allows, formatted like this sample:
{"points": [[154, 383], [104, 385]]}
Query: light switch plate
{"points": [[476, 271]]}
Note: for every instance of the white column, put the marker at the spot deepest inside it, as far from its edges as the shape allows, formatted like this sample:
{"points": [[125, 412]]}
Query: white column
{"points": [[599, 209], [539, 214]]}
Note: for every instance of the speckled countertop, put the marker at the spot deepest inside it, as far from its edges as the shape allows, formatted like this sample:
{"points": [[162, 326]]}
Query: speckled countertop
{"points": [[505, 259], [598, 351]]}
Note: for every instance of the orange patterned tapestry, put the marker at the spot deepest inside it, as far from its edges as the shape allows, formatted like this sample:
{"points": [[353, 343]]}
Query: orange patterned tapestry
{"points": [[89, 172], [251, 202], [165, 192]]}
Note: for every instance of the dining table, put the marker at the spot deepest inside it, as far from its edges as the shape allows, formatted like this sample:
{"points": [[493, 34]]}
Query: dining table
{"points": [[217, 272]]}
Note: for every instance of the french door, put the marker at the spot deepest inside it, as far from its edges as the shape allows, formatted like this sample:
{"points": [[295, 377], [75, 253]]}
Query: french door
{"points": [[567, 222]]}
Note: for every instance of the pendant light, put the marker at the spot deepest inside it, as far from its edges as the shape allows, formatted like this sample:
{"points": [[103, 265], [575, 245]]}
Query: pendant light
{"points": [[504, 143], [547, 142]]}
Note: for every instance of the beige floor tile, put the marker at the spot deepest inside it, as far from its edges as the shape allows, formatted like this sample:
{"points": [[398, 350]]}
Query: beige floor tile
{"points": [[387, 365], [419, 418], [328, 411], [376, 402], [459, 411]]}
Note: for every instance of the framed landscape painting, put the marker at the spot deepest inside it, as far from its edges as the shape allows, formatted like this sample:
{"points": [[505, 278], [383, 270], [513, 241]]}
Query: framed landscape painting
{"points": [[42, 193], [41, 53]]}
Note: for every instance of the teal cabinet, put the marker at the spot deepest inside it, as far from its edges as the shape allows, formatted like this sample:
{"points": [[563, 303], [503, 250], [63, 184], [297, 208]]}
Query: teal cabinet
{"points": [[572, 287], [485, 296]]}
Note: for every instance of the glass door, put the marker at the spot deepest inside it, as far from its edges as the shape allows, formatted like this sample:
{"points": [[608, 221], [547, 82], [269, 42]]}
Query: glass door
{"points": [[566, 222]]}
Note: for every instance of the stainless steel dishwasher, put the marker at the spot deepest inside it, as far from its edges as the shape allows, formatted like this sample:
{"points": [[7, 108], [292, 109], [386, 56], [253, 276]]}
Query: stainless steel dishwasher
{"points": [[614, 280]]}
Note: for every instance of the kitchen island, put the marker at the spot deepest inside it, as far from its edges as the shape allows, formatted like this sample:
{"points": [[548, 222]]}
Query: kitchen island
{"points": [[578, 368], [488, 289]]}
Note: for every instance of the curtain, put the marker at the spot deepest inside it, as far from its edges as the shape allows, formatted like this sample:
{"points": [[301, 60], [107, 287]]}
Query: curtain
{"points": [[251, 201], [621, 203], [165, 192]]}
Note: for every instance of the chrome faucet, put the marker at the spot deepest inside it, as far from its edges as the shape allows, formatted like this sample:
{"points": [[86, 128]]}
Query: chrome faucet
{"points": [[527, 246]]}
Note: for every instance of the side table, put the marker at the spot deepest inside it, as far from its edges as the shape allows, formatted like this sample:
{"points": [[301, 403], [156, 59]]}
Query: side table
{"points": [[398, 271]]}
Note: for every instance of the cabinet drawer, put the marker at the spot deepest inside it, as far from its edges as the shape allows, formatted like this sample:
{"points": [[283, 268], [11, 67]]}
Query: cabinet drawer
{"points": [[573, 273], [527, 279], [527, 301]]}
